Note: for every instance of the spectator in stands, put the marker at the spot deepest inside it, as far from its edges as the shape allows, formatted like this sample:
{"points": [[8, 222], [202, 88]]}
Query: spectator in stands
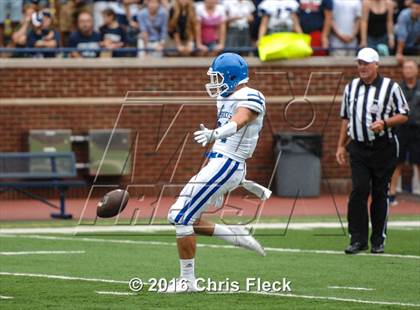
{"points": [[400, 5], [255, 25], [19, 37], [408, 31], [279, 16], [315, 18], [239, 16], [345, 27], [41, 4], [42, 34], [68, 17], [10, 16], [153, 21], [127, 11], [85, 38], [181, 26], [408, 133], [98, 7], [113, 36], [376, 26], [210, 27]]}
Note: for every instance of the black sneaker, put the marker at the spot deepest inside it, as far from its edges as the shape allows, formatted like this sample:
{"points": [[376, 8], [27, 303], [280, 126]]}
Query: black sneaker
{"points": [[393, 200], [355, 248], [377, 249]]}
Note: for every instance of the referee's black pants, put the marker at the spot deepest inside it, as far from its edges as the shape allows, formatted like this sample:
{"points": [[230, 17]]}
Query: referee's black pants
{"points": [[372, 166]]}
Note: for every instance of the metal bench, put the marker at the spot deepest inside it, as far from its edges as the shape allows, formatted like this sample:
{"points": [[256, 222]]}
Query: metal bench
{"points": [[22, 171]]}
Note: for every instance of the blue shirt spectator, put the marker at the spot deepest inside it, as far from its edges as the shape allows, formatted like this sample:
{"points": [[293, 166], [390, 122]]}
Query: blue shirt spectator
{"points": [[113, 36], [155, 24], [41, 35], [408, 31], [85, 37], [36, 38], [86, 42]]}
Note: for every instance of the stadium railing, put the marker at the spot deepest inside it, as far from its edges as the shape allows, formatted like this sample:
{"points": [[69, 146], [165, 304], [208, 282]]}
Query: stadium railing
{"points": [[130, 50]]}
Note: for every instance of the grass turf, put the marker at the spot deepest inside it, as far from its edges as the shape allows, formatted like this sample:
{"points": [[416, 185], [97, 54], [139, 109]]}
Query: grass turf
{"points": [[393, 279]]}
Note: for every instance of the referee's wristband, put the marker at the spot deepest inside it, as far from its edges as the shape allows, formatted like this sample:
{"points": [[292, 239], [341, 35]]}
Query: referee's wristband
{"points": [[385, 124]]}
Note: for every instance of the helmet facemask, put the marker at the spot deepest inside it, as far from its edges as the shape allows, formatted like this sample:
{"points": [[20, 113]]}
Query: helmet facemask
{"points": [[216, 86]]}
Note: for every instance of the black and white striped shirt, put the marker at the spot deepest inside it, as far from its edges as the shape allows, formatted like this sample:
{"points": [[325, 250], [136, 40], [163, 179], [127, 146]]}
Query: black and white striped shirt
{"points": [[364, 104]]}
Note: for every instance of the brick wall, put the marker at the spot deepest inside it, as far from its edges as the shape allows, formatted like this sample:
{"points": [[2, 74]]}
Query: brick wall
{"points": [[280, 79]]}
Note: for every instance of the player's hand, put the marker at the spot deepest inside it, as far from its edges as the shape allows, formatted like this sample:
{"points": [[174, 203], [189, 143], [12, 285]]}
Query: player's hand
{"points": [[340, 155], [204, 135]]}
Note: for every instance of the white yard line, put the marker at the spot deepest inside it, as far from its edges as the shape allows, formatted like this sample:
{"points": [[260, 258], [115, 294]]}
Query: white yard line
{"points": [[330, 298], [115, 293], [6, 297], [59, 277], [202, 245], [351, 288], [157, 228], [41, 252]]}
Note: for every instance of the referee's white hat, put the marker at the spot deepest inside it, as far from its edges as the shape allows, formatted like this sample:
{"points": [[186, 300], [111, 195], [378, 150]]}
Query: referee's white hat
{"points": [[368, 54]]}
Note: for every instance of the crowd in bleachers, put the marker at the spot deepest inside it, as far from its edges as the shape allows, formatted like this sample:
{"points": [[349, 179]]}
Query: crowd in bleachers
{"points": [[131, 28]]}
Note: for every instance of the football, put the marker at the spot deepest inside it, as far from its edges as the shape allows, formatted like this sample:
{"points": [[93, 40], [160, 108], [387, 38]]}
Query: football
{"points": [[112, 203]]}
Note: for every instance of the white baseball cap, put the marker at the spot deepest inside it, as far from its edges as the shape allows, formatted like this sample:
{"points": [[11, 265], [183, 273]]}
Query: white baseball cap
{"points": [[368, 54]]}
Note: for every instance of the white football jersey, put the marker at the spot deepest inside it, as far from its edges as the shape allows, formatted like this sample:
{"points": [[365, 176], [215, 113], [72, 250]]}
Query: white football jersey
{"points": [[279, 12], [241, 145]]}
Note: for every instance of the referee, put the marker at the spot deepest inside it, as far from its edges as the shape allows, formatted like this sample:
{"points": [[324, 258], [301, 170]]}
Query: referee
{"points": [[372, 105]]}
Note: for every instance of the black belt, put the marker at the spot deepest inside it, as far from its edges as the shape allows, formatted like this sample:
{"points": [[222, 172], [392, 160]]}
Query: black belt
{"points": [[379, 141]]}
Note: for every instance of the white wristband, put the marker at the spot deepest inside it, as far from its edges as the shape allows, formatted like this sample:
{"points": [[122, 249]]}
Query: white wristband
{"points": [[226, 130]]}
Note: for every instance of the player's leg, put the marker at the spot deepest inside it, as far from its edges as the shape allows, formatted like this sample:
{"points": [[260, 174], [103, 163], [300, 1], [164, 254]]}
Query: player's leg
{"points": [[182, 213], [236, 235], [186, 244], [186, 251]]}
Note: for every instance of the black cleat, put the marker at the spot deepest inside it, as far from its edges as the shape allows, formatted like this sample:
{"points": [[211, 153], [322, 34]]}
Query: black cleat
{"points": [[377, 249], [356, 248]]}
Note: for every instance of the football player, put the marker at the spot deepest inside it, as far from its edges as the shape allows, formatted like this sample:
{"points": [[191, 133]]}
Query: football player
{"points": [[241, 111]]}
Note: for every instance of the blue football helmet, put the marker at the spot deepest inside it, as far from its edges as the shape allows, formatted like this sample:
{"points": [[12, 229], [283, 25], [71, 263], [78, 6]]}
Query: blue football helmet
{"points": [[227, 71]]}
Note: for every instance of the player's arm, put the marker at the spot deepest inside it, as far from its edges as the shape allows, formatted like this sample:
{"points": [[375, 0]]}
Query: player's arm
{"points": [[241, 118]]}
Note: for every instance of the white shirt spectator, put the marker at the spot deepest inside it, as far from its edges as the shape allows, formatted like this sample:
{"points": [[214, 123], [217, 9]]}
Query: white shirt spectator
{"points": [[346, 15], [239, 9], [280, 13], [219, 12]]}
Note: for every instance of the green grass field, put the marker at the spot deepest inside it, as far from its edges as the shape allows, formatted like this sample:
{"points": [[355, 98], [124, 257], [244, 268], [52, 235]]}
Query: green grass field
{"points": [[311, 259]]}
